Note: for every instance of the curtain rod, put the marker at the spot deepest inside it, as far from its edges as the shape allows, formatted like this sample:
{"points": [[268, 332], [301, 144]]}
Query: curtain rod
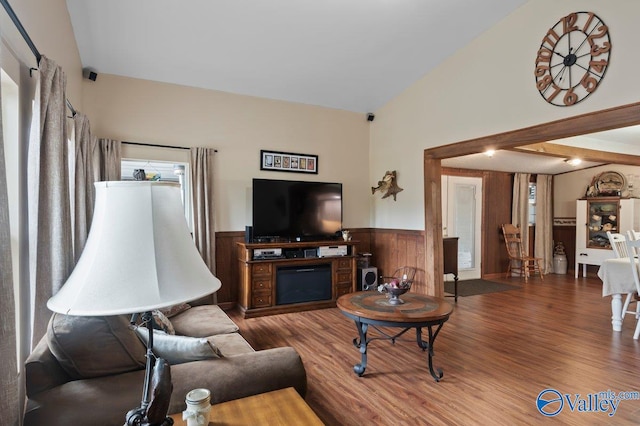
{"points": [[27, 39], [157, 145]]}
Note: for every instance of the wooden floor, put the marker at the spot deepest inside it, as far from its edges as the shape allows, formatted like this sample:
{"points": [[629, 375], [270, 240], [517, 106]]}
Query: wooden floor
{"points": [[498, 352]]}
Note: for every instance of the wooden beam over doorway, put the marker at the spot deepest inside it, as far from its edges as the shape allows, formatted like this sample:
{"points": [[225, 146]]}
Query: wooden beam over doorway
{"points": [[564, 151]]}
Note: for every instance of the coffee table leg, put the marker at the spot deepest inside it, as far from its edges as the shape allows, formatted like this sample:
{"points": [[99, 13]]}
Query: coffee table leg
{"points": [[436, 373], [361, 343]]}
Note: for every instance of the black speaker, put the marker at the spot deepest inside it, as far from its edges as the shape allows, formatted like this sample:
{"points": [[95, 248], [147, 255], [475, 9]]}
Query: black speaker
{"points": [[367, 278], [248, 234], [89, 74], [371, 117]]}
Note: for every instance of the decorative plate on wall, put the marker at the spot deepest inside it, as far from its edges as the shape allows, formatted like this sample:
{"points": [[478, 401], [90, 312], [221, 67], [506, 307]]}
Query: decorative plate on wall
{"points": [[610, 183]]}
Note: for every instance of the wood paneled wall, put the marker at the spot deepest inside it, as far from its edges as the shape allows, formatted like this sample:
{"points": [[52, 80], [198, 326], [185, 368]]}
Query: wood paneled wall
{"points": [[497, 188], [393, 248], [227, 267]]}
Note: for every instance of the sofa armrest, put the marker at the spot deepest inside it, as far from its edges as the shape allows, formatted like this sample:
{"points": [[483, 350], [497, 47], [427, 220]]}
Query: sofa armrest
{"points": [[239, 376], [42, 370]]}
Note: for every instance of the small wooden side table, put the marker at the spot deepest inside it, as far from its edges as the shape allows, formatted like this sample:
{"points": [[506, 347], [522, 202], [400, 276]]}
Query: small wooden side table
{"points": [[281, 407]]}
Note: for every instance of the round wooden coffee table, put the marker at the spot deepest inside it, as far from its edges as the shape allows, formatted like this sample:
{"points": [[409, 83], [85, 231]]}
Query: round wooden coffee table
{"points": [[370, 308]]}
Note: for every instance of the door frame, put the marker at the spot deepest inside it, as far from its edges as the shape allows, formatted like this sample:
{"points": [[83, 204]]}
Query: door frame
{"points": [[597, 121]]}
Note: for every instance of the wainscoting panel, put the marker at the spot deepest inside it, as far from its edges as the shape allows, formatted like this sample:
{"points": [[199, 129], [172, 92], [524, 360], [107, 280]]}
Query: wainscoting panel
{"points": [[227, 267], [394, 248], [567, 235]]}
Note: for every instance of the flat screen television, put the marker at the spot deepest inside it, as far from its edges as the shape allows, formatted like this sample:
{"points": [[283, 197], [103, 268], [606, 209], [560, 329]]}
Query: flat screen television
{"points": [[295, 210]]}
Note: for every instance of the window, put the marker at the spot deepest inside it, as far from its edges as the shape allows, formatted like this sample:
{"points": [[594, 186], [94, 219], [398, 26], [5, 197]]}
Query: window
{"points": [[166, 172]]}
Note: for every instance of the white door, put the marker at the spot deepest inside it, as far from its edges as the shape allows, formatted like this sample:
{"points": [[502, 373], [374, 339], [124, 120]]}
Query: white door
{"points": [[462, 215]]}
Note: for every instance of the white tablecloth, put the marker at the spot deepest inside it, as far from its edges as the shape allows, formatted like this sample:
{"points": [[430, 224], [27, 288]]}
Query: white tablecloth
{"points": [[616, 276]]}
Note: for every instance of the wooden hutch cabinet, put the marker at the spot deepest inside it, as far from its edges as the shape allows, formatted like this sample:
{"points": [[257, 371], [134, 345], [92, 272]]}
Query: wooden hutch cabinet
{"points": [[594, 217], [278, 278]]}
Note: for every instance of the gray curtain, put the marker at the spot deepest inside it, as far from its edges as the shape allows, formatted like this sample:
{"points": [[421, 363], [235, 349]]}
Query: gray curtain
{"points": [[544, 222], [85, 175], [95, 160], [520, 207], [109, 159], [9, 380], [50, 233], [203, 207]]}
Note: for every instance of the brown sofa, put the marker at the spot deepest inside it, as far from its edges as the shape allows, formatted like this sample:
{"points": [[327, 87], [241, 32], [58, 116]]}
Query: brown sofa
{"points": [[97, 372]]}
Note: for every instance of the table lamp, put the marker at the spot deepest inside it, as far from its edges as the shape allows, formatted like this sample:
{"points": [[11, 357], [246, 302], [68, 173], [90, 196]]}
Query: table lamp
{"points": [[139, 256]]}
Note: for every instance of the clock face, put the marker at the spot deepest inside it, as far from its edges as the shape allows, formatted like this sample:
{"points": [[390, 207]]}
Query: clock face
{"points": [[572, 59]]}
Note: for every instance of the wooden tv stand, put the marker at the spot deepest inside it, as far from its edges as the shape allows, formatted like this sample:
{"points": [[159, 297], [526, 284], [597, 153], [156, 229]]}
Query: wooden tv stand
{"points": [[259, 275]]}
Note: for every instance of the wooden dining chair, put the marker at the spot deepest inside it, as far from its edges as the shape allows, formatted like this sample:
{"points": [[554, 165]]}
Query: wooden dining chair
{"points": [[633, 248], [519, 261]]}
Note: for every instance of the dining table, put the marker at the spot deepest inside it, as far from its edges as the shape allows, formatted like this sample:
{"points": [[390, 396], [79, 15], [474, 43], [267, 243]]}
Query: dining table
{"points": [[617, 279]]}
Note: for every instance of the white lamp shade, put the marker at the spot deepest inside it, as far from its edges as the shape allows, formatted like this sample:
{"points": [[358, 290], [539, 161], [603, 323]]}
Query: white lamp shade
{"points": [[139, 255]]}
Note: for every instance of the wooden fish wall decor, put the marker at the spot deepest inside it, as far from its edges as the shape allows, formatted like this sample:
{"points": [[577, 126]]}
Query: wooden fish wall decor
{"points": [[387, 186]]}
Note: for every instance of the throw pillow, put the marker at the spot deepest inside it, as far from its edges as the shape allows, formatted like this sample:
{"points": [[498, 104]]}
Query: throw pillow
{"points": [[89, 347], [179, 349], [161, 322]]}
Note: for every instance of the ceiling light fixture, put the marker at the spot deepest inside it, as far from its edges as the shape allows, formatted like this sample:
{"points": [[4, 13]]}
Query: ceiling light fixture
{"points": [[489, 153], [573, 161]]}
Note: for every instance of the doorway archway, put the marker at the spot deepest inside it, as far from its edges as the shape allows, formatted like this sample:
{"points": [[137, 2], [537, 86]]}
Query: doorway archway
{"points": [[597, 121]]}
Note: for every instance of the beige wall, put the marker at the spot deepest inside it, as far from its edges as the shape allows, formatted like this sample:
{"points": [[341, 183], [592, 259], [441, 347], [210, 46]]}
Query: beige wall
{"points": [[487, 88], [239, 127]]}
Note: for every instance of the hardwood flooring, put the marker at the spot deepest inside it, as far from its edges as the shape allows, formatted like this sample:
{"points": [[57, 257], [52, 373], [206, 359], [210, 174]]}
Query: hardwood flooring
{"points": [[498, 352]]}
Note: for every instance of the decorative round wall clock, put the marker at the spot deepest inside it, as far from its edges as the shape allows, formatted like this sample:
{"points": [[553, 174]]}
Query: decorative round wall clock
{"points": [[572, 59]]}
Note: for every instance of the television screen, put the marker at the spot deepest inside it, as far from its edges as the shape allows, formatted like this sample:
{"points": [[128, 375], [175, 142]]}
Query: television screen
{"points": [[296, 210]]}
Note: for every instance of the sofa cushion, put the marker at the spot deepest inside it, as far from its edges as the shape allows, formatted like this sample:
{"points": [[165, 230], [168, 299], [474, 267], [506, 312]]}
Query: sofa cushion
{"points": [[203, 321], [179, 349], [231, 344], [89, 347]]}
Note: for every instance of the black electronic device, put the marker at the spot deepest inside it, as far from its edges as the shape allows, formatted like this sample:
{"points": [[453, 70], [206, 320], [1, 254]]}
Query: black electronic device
{"points": [[367, 278], [296, 210], [294, 254], [248, 234]]}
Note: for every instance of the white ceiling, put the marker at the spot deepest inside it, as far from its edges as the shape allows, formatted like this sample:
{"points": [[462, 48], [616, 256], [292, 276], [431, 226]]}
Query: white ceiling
{"points": [[354, 55]]}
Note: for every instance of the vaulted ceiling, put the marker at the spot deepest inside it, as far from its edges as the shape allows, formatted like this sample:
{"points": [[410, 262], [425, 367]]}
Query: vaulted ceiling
{"points": [[354, 55]]}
